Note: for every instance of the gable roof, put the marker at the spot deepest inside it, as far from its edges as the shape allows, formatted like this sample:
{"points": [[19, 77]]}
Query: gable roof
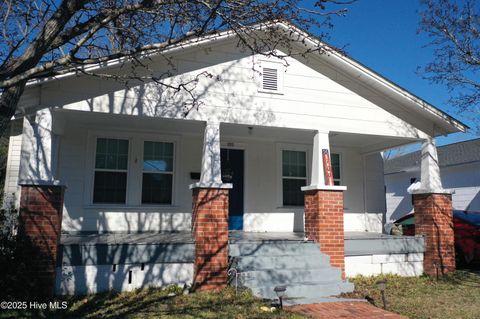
{"points": [[448, 155], [443, 122]]}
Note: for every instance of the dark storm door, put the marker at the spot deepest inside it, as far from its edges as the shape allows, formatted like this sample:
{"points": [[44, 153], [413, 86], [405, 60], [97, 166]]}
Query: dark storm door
{"points": [[232, 172]]}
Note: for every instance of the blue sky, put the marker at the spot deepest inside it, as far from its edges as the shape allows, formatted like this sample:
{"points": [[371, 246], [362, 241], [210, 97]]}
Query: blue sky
{"points": [[382, 34]]}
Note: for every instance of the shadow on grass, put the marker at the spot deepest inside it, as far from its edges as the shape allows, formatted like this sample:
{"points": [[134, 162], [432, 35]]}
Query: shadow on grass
{"points": [[166, 303], [464, 277]]}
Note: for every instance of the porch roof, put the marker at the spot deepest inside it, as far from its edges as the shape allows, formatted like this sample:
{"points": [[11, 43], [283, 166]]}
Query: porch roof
{"points": [[408, 101]]}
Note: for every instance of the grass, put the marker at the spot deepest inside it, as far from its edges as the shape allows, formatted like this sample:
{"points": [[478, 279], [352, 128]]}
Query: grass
{"points": [[455, 295], [159, 303]]}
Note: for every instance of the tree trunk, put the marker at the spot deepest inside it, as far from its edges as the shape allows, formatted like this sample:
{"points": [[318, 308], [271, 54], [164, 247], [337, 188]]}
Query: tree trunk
{"points": [[8, 104]]}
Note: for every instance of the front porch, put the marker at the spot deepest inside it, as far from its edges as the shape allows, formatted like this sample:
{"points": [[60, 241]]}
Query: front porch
{"points": [[269, 199], [92, 262], [130, 229]]}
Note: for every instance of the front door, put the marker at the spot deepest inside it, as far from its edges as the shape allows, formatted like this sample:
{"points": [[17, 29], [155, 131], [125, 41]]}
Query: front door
{"points": [[232, 172]]}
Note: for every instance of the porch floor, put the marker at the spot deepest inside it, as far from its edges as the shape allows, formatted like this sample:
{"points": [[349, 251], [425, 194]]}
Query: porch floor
{"points": [[186, 237], [151, 247]]}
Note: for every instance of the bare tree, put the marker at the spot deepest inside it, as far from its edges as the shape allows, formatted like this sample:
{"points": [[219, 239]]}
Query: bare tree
{"points": [[454, 30], [47, 37]]}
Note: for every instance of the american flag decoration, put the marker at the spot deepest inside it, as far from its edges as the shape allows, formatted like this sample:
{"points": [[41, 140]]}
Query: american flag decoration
{"points": [[327, 167]]}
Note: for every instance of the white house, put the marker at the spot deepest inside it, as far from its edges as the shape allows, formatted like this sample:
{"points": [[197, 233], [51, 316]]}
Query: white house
{"points": [[129, 156], [460, 171]]}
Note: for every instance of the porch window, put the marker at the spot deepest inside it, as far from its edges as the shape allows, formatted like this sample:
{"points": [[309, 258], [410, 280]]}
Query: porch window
{"points": [[111, 165], [157, 173], [294, 176], [335, 160]]}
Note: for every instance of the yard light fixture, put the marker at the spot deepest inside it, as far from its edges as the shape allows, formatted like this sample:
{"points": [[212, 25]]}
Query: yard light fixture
{"points": [[381, 284], [280, 291]]}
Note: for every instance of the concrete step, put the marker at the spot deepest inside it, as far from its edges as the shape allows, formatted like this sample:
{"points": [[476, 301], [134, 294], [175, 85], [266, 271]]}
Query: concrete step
{"points": [[312, 261], [259, 278], [273, 248], [300, 266], [305, 290]]}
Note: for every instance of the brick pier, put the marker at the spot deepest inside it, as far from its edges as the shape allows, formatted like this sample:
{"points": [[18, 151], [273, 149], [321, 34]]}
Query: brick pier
{"points": [[40, 222], [434, 220], [324, 223], [210, 232]]}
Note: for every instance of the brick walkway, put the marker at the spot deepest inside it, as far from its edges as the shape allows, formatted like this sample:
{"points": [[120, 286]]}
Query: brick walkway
{"points": [[344, 310]]}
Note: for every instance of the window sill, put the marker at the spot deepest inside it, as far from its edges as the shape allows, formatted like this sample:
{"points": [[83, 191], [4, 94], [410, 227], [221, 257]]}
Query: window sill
{"points": [[291, 207]]}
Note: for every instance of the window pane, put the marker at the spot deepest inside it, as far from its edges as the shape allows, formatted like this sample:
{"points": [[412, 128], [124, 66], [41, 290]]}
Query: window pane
{"points": [[335, 159], [111, 154], [157, 188], [292, 194], [158, 157], [294, 164], [110, 187], [102, 145], [301, 164]]}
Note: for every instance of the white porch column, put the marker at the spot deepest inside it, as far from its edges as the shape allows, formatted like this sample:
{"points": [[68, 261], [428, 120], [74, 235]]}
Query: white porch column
{"points": [[210, 203], [320, 142], [39, 149], [430, 181], [211, 172], [41, 201], [323, 208], [434, 214], [318, 179]]}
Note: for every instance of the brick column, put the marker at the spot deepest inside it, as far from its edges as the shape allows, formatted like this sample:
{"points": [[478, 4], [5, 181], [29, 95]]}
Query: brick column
{"points": [[210, 232], [40, 222], [324, 222], [434, 220]]}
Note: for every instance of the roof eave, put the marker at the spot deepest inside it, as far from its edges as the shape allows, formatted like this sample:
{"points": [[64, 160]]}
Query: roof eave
{"points": [[392, 90], [347, 64]]}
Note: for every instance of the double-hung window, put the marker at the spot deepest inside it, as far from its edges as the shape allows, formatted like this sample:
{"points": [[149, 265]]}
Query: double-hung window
{"points": [[111, 167], [294, 176], [157, 176]]}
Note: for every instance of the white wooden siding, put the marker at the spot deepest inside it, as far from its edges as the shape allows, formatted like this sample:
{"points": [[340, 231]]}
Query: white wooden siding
{"points": [[262, 212], [12, 190], [311, 98]]}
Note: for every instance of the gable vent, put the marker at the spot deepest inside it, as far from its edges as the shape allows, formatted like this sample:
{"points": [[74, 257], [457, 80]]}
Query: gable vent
{"points": [[270, 79]]}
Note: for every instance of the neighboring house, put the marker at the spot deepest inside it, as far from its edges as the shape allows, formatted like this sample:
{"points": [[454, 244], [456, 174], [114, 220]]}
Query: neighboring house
{"points": [[129, 158], [460, 172]]}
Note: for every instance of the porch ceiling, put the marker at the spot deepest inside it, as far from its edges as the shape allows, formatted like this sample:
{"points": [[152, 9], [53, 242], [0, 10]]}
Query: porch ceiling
{"points": [[368, 143], [266, 133], [105, 120], [364, 143]]}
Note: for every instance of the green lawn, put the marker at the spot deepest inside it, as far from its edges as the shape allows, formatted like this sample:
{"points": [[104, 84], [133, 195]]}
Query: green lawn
{"points": [[454, 296], [156, 303]]}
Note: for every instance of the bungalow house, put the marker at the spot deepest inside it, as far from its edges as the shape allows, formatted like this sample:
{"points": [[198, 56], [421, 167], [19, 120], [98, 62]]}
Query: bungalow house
{"points": [[460, 172], [120, 188]]}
